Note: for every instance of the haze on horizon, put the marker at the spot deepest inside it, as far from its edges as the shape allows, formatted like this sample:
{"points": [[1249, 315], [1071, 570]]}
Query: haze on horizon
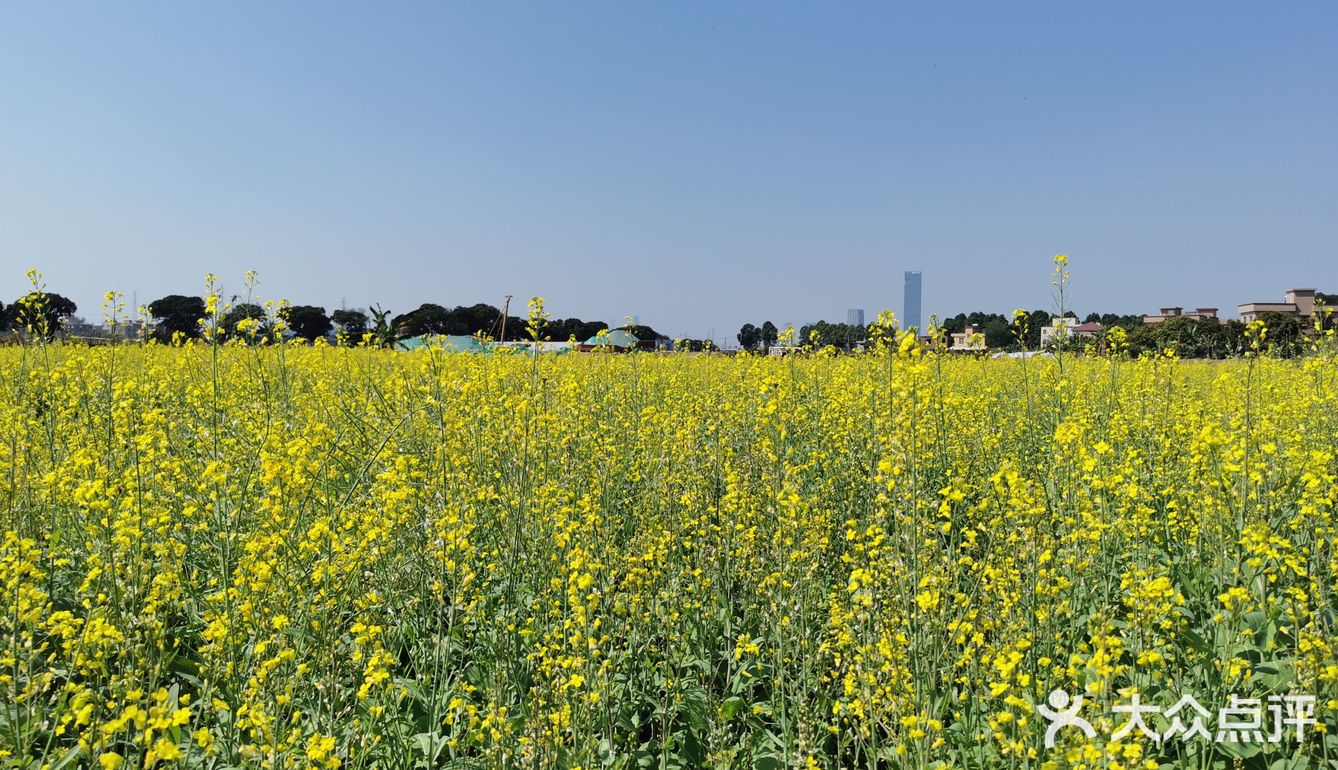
{"points": [[698, 165]]}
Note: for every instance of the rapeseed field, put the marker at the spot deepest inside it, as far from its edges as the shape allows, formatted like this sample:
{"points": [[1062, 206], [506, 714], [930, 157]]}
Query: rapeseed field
{"points": [[283, 556]]}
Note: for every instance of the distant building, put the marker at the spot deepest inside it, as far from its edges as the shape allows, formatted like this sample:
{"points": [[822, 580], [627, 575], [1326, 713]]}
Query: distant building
{"points": [[910, 305], [1295, 302], [619, 340], [855, 316], [130, 328], [1198, 314], [969, 340], [1063, 327], [454, 343]]}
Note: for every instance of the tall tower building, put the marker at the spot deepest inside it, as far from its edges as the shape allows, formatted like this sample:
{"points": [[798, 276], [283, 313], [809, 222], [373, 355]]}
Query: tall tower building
{"points": [[910, 307], [855, 316]]}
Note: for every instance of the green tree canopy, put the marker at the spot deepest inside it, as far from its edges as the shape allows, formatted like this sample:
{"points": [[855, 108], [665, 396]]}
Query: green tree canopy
{"points": [[642, 332], [841, 335], [769, 334], [749, 337], [243, 312], [177, 314], [352, 323], [307, 321], [428, 318], [42, 312]]}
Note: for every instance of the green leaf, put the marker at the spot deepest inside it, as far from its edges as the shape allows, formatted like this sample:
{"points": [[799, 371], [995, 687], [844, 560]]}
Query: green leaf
{"points": [[65, 760]]}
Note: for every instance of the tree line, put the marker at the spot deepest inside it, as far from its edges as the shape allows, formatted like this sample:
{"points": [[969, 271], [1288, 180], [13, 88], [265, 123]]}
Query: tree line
{"points": [[37, 310], [1190, 337], [179, 316]]}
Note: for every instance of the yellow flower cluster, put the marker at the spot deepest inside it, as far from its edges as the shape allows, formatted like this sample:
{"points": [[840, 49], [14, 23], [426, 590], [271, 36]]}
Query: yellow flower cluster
{"points": [[281, 556]]}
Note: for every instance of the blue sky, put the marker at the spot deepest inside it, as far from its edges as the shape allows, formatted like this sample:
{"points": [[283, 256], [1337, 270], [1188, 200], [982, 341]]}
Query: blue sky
{"points": [[699, 164]]}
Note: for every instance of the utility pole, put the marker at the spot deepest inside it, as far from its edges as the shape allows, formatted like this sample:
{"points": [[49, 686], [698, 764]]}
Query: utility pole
{"points": [[506, 308]]}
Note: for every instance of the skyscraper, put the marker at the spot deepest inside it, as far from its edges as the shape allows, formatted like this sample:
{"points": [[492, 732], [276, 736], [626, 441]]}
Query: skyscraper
{"points": [[855, 316], [910, 306]]}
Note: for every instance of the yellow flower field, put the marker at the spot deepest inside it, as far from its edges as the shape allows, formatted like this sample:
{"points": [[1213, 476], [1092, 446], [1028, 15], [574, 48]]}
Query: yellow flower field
{"points": [[292, 557]]}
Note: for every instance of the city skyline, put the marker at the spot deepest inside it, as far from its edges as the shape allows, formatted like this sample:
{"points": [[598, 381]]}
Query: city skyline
{"points": [[90, 314]]}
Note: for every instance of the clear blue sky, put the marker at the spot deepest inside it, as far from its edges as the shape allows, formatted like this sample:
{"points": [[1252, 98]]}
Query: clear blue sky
{"points": [[700, 164]]}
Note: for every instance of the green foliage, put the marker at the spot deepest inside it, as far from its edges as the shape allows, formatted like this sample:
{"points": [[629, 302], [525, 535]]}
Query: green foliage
{"points": [[769, 334], [1192, 338], [644, 333], [841, 335], [177, 314], [383, 328], [998, 334], [352, 324], [569, 328], [42, 313], [869, 561], [307, 322], [431, 318], [247, 321], [749, 337], [1110, 320]]}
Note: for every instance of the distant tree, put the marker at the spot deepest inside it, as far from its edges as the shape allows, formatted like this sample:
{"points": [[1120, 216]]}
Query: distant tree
{"points": [[1144, 339], [517, 328], [749, 336], [642, 332], [231, 324], [1326, 307], [1234, 332], [1126, 322], [695, 346], [307, 321], [4, 318], [426, 319], [42, 313], [769, 334], [998, 335], [568, 328], [352, 324], [1190, 337], [1036, 320], [480, 318], [1285, 334], [955, 324], [820, 334], [841, 335], [383, 328], [177, 314], [815, 334]]}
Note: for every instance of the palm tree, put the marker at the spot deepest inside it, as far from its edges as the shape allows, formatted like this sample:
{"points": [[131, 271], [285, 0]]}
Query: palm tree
{"points": [[383, 332]]}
